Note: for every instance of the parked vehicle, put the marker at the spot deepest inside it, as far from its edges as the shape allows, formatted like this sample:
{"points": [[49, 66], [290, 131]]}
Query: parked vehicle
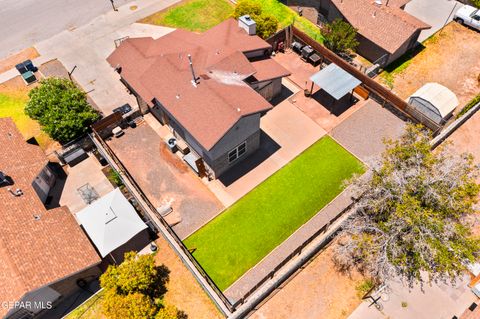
{"points": [[468, 15]]}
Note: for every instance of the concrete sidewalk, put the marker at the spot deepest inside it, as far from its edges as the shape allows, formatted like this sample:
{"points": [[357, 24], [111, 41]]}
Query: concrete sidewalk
{"points": [[88, 47], [435, 301]]}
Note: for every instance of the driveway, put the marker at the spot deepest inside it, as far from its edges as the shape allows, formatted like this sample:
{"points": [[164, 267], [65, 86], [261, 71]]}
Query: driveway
{"points": [[364, 131], [434, 12], [166, 179], [87, 48], [25, 22], [286, 132]]}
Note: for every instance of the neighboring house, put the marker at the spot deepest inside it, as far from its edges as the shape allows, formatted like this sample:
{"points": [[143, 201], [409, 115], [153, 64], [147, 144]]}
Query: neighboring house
{"points": [[211, 89], [43, 253], [113, 226], [385, 30]]}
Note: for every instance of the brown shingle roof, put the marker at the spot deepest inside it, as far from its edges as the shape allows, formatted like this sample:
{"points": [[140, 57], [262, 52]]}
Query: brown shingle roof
{"points": [[387, 26], [33, 253], [160, 69], [267, 69]]}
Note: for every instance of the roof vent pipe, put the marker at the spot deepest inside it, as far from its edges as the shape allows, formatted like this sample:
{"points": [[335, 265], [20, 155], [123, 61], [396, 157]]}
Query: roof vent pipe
{"points": [[16, 193], [194, 77]]}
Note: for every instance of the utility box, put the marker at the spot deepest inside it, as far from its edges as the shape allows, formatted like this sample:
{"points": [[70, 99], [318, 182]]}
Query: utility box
{"points": [[248, 24]]}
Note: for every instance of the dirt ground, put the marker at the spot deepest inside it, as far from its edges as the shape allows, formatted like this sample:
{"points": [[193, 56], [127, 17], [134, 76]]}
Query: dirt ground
{"points": [[12, 60], [318, 291], [450, 58], [183, 290], [166, 179]]}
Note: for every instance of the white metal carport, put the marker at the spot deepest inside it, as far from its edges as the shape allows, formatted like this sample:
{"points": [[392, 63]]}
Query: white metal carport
{"points": [[110, 222], [335, 81]]}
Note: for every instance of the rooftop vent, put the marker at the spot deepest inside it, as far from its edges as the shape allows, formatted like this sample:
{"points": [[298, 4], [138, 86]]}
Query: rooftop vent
{"points": [[194, 77], [248, 24], [18, 192]]}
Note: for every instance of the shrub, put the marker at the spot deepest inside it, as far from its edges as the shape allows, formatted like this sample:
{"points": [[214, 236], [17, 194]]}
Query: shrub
{"points": [[364, 287], [249, 7], [61, 108], [267, 24], [340, 36], [469, 105]]}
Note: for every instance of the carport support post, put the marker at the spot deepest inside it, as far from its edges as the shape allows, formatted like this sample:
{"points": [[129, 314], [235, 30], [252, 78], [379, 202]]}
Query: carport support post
{"points": [[311, 89], [113, 5]]}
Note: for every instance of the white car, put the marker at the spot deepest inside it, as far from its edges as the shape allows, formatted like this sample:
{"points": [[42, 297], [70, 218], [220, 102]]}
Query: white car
{"points": [[468, 15]]}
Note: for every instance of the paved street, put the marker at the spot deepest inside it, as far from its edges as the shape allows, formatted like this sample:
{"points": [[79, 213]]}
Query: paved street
{"points": [[26, 22]]}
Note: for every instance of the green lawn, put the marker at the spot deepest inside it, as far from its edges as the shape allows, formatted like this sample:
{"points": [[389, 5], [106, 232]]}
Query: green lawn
{"points": [[193, 15], [247, 231], [12, 105], [287, 16], [201, 15]]}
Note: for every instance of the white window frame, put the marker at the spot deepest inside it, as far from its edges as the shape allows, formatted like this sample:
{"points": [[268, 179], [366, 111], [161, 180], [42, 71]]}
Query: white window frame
{"points": [[236, 152]]}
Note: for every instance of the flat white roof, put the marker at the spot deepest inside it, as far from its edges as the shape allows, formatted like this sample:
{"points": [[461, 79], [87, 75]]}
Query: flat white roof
{"points": [[110, 222], [335, 81], [439, 96]]}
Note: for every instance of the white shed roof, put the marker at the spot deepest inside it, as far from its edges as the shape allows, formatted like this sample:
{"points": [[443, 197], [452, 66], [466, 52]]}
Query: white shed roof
{"points": [[444, 100], [335, 81], [110, 221]]}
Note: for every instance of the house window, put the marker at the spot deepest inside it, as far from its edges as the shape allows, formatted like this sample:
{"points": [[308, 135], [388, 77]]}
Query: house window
{"points": [[237, 152]]}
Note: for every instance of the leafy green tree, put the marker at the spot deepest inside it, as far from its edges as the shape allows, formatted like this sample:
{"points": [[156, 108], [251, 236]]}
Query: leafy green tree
{"points": [[340, 36], [412, 214], [249, 7], [267, 24], [135, 289], [131, 306], [476, 3], [61, 108]]}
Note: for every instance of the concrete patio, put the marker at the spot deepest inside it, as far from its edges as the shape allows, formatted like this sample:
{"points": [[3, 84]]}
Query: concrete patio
{"points": [[320, 107], [89, 171], [165, 179]]}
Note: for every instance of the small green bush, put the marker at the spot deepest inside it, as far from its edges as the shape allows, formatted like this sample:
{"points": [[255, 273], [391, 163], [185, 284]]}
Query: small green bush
{"points": [[469, 105], [364, 287], [267, 24]]}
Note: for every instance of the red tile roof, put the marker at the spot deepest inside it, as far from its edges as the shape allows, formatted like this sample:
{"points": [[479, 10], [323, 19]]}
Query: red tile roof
{"points": [[160, 69], [386, 25], [33, 253]]}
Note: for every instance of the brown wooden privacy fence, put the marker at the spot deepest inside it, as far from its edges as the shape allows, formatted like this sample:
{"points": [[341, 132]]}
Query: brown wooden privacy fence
{"points": [[186, 253], [385, 95], [297, 252]]}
